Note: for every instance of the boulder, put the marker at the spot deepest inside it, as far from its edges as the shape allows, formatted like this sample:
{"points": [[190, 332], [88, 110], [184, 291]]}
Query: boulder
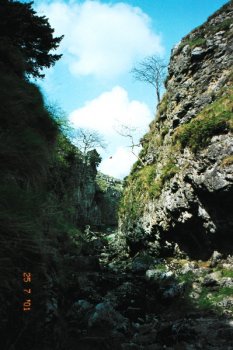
{"points": [[107, 318]]}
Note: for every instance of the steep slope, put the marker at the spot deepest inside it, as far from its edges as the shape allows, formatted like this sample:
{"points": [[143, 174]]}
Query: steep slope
{"points": [[94, 197], [48, 193], [183, 194]]}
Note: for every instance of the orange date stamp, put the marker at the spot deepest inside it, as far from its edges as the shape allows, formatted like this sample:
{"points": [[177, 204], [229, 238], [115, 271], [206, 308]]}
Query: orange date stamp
{"points": [[27, 279]]}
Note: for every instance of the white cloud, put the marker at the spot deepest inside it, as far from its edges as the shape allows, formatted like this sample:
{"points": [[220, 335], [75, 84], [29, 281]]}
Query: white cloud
{"points": [[101, 39], [104, 114], [111, 109], [119, 164]]}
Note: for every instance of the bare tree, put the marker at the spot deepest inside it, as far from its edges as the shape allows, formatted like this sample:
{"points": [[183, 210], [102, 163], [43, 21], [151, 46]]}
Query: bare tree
{"points": [[87, 140], [127, 131], [151, 70]]}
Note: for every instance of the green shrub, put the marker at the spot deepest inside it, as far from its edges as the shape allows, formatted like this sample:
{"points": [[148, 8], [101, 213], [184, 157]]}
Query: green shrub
{"points": [[169, 170], [187, 277], [214, 120], [155, 189], [161, 267], [203, 30], [163, 104], [197, 134], [143, 184], [198, 41], [137, 187], [226, 272], [210, 300], [102, 184], [28, 131], [164, 131], [224, 25]]}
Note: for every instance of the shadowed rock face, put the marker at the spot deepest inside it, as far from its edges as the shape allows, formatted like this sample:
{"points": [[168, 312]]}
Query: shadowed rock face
{"points": [[183, 194], [97, 199]]}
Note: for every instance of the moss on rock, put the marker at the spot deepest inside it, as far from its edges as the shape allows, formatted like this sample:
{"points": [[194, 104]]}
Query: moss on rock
{"points": [[214, 120]]}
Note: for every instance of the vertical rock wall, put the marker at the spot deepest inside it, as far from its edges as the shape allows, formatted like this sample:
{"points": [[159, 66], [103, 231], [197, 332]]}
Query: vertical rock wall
{"points": [[183, 194], [97, 198]]}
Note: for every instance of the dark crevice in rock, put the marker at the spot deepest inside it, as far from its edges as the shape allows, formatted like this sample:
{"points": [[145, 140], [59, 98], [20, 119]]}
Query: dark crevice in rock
{"points": [[219, 207], [190, 237]]}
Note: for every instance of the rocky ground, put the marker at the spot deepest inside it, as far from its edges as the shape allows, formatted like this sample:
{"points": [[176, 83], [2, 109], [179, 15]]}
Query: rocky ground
{"points": [[126, 303]]}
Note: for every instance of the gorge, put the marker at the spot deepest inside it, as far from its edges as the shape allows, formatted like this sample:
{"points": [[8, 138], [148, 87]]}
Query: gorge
{"points": [[162, 276]]}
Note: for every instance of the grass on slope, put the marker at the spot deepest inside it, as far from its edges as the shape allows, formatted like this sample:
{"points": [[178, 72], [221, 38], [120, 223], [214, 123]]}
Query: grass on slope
{"points": [[216, 119]]}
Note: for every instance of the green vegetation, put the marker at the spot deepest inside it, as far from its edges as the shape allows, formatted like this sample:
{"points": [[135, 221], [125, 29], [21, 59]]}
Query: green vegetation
{"points": [[161, 267], [105, 182], [164, 131], [145, 142], [225, 272], [143, 184], [197, 295], [40, 170], [201, 31], [163, 104], [169, 170], [166, 173], [224, 25], [152, 140], [216, 119], [206, 298], [210, 299], [29, 134], [187, 277], [138, 185], [198, 41], [102, 184], [31, 37], [155, 140], [156, 188]]}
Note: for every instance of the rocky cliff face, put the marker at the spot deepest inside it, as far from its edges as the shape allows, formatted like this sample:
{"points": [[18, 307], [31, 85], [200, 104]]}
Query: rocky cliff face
{"points": [[97, 198], [182, 196], [108, 194]]}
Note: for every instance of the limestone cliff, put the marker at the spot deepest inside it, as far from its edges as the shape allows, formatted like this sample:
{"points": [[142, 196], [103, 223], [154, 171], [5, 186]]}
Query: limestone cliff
{"points": [[108, 195], [183, 193], [97, 199]]}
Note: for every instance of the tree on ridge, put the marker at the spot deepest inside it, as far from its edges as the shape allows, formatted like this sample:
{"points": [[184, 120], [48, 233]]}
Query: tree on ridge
{"points": [[151, 70], [30, 34]]}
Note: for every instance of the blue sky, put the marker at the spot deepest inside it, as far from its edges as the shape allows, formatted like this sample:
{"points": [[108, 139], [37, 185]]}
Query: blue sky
{"points": [[103, 40]]}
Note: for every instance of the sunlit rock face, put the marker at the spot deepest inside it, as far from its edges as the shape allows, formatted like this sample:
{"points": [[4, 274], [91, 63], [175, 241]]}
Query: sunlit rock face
{"points": [[183, 193]]}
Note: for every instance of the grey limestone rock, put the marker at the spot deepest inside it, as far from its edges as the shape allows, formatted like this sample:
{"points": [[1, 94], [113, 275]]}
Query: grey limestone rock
{"points": [[106, 317], [194, 206]]}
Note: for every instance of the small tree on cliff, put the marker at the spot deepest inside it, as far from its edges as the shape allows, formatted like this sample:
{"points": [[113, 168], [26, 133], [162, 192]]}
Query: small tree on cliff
{"points": [[129, 133], [29, 34], [87, 140], [151, 70]]}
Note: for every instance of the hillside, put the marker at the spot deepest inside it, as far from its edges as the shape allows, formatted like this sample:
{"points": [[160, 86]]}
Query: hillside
{"points": [[69, 279], [183, 194], [49, 191]]}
